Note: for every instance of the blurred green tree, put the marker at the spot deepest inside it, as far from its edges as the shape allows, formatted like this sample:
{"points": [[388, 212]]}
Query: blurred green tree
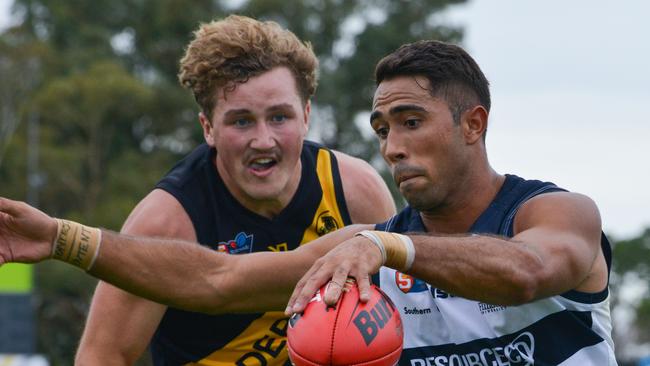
{"points": [[98, 79], [630, 293]]}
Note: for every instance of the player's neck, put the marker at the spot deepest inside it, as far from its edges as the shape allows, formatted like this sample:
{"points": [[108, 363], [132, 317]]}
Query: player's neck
{"points": [[459, 213]]}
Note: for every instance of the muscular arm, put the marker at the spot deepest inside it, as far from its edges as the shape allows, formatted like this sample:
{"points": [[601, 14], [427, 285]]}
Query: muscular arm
{"points": [[556, 248], [157, 268], [218, 283], [120, 325]]}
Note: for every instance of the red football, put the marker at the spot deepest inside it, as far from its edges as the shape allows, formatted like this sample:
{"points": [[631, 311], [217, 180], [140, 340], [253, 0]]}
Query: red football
{"points": [[350, 333]]}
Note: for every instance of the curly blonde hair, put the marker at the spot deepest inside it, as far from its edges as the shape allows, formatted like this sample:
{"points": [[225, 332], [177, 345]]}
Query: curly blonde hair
{"points": [[232, 50]]}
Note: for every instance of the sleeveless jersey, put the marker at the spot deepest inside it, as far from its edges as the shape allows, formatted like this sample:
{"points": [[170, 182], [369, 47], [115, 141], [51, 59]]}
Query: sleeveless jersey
{"points": [[223, 224], [573, 328]]}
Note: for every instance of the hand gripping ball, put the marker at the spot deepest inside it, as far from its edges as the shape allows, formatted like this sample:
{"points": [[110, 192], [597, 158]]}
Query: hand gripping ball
{"points": [[350, 333]]}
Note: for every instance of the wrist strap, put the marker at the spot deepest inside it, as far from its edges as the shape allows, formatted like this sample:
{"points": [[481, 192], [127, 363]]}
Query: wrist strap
{"points": [[397, 250], [76, 244]]}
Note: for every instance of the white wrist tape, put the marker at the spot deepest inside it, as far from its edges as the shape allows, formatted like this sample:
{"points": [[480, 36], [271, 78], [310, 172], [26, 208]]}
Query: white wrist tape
{"points": [[375, 240], [397, 250]]}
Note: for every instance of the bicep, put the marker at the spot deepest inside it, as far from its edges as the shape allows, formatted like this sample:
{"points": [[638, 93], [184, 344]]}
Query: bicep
{"points": [[563, 230]]}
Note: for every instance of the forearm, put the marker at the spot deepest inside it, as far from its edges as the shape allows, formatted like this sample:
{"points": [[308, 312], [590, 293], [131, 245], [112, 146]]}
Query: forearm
{"points": [[188, 276], [172, 272], [483, 268], [264, 281]]}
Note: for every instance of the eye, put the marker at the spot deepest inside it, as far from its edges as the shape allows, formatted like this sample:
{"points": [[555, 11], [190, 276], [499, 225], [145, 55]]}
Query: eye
{"points": [[242, 122], [278, 117], [382, 132], [412, 123]]}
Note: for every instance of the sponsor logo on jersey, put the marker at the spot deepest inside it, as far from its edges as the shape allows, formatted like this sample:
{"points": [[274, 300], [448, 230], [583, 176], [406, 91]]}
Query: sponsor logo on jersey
{"points": [[326, 223], [272, 343], [408, 283], [416, 311], [242, 243], [440, 294], [521, 349], [489, 308], [519, 352]]}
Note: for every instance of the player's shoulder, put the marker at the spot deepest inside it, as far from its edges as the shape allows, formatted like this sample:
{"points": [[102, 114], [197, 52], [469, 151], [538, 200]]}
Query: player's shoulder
{"points": [[351, 169], [561, 207], [560, 201], [160, 214], [367, 196], [185, 170], [355, 165]]}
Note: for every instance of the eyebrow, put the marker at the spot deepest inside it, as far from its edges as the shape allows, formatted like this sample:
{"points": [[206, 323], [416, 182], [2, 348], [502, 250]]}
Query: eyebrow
{"points": [[236, 112], [242, 111], [396, 110], [280, 106]]}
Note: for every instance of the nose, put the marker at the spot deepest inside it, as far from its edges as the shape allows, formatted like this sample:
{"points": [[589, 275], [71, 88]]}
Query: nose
{"points": [[264, 138], [394, 148]]}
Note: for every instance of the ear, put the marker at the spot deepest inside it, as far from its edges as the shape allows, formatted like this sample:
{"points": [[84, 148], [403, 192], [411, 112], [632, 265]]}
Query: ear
{"points": [[474, 122], [307, 112], [208, 129]]}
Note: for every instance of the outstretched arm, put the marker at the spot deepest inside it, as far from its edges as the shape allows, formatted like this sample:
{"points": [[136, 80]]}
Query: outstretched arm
{"points": [[26, 234], [157, 269]]}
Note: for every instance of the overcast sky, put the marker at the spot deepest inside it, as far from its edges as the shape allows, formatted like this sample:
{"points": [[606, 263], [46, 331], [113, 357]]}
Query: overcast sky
{"points": [[570, 85]]}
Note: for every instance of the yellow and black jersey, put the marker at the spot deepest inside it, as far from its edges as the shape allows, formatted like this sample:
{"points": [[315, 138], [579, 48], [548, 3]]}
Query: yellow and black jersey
{"points": [[223, 224]]}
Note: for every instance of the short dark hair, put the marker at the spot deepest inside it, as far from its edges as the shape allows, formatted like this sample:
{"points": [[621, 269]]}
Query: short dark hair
{"points": [[452, 73]]}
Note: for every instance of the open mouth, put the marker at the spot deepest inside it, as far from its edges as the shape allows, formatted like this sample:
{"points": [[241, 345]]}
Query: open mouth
{"points": [[262, 164]]}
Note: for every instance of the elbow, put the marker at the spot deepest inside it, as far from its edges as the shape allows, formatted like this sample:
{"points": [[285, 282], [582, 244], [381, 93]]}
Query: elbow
{"points": [[527, 282], [208, 297], [215, 299], [209, 303], [524, 290]]}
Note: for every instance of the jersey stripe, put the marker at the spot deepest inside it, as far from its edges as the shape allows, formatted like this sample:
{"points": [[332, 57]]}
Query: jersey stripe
{"points": [[328, 215]]}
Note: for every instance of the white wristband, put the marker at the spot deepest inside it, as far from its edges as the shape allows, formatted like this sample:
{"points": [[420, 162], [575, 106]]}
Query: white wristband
{"points": [[397, 250]]}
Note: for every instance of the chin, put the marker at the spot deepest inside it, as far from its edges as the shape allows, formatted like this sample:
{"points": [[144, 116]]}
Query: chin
{"points": [[264, 195], [420, 201]]}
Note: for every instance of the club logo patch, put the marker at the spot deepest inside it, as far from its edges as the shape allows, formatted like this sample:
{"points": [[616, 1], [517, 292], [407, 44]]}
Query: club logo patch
{"points": [[408, 283], [242, 243], [326, 223]]}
